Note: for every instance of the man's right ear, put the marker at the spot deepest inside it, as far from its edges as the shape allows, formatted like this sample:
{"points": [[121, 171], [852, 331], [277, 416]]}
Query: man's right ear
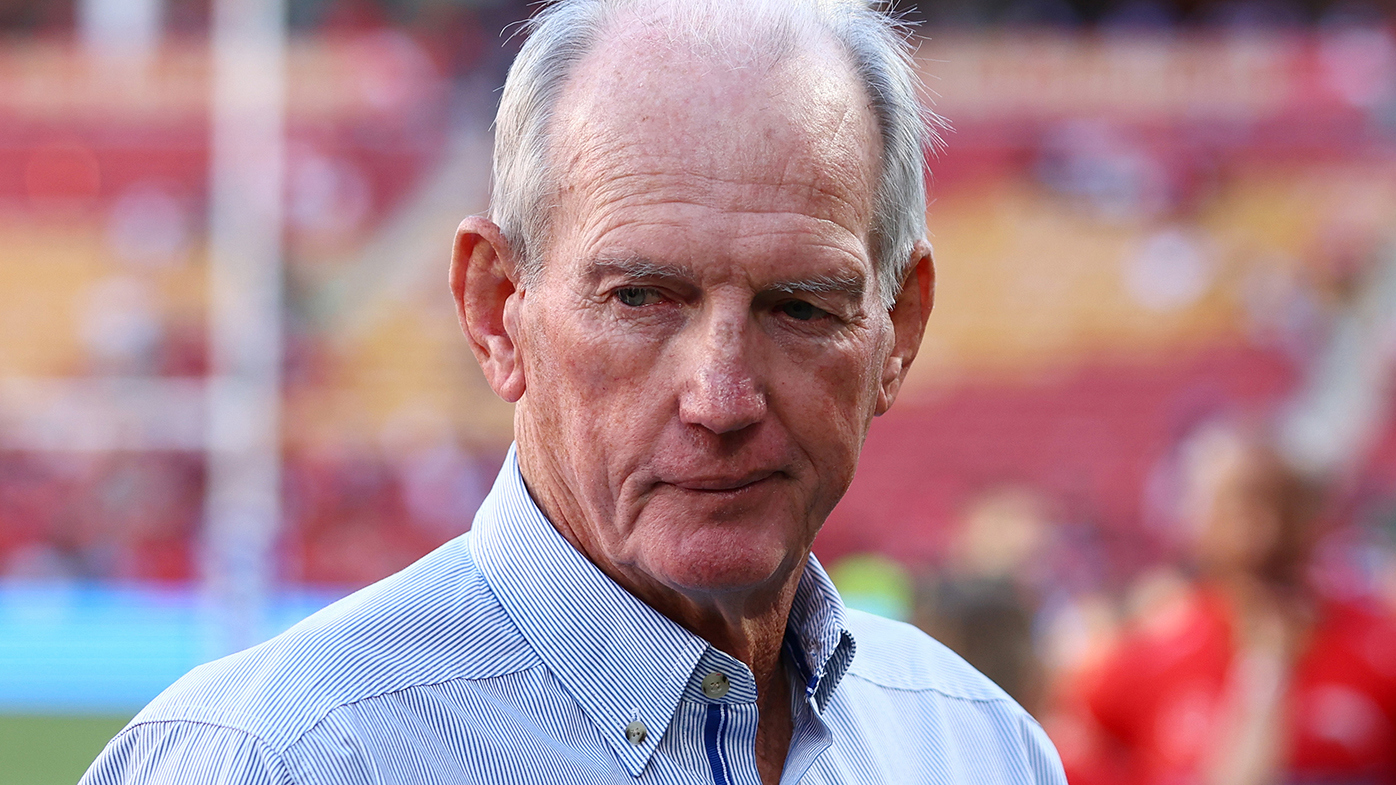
{"points": [[483, 284]]}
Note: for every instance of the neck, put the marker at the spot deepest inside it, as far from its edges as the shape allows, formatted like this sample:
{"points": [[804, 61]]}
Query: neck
{"points": [[750, 626], [1246, 589], [747, 623]]}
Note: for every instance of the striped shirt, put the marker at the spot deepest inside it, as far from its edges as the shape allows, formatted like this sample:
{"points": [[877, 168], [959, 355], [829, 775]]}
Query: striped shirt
{"points": [[505, 656]]}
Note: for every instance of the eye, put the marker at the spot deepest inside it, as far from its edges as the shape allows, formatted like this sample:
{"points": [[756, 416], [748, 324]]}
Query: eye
{"points": [[637, 296], [800, 310]]}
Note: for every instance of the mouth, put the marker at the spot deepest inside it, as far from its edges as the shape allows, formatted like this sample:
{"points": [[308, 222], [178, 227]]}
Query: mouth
{"points": [[724, 483]]}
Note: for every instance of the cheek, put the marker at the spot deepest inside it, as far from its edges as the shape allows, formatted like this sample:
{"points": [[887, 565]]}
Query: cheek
{"points": [[588, 379], [826, 400], [839, 378]]}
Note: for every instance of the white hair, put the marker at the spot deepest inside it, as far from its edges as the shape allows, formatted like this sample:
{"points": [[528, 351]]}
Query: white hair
{"points": [[875, 44]]}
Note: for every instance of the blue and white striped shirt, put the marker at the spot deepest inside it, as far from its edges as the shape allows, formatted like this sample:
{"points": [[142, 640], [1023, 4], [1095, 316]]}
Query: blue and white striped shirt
{"points": [[505, 656]]}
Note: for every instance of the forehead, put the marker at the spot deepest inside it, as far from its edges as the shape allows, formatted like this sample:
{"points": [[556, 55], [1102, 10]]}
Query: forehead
{"points": [[646, 121]]}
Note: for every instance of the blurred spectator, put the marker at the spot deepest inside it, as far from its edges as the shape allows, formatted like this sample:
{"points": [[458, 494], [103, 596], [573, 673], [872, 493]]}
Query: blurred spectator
{"points": [[83, 517], [1098, 166], [1245, 673], [983, 605]]}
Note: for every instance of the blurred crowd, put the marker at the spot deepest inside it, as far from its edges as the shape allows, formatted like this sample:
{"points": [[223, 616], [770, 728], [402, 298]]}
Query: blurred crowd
{"points": [[448, 19], [1261, 646], [1144, 472]]}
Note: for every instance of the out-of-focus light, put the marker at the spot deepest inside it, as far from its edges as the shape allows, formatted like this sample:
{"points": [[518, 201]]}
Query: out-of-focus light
{"points": [[149, 227], [1359, 64], [120, 27], [119, 323], [389, 70], [1170, 271], [329, 195]]}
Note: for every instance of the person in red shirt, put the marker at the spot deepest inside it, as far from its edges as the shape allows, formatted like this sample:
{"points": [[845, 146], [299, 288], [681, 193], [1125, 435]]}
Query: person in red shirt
{"points": [[1246, 675]]}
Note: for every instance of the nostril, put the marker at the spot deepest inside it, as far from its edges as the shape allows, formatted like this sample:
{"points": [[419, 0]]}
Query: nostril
{"points": [[721, 393], [723, 401]]}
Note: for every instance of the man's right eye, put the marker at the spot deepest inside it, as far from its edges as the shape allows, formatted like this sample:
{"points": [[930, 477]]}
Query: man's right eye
{"points": [[636, 296]]}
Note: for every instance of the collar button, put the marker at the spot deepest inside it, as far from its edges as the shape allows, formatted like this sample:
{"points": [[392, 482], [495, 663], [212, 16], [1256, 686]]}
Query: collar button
{"points": [[636, 732], [716, 684]]}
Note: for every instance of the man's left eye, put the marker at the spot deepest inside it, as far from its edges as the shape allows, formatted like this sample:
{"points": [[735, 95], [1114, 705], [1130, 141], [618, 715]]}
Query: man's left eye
{"points": [[636, 296], [800, 310]]}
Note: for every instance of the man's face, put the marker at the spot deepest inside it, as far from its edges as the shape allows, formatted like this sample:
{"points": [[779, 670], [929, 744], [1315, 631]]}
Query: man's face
{"points": [[704, 348]]}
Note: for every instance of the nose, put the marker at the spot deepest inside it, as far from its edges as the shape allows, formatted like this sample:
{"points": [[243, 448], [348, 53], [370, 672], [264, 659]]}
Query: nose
{"points": [[723, 392]]}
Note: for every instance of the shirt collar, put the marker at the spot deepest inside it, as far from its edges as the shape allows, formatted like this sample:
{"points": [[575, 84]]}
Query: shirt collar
{"points": [[620, 659], [816, 631]]}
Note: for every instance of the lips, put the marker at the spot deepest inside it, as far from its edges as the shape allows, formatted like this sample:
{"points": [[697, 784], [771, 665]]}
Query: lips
{"points": [[723, 482]]}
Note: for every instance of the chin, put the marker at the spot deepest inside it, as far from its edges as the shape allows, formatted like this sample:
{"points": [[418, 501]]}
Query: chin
{"points": [[720, 558], [723, 542]]}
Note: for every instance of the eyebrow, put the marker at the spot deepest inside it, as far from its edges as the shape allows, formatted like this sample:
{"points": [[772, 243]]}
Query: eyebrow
{"points": [[851, 285], [639, 268], [636, 268]]}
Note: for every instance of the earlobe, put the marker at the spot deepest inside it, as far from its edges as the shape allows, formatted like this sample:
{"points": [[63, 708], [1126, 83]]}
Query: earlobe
{"points": [[909, 316], [483, 286]]}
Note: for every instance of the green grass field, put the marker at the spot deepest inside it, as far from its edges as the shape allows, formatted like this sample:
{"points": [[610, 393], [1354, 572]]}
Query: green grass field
{"points": [[51, 750]]}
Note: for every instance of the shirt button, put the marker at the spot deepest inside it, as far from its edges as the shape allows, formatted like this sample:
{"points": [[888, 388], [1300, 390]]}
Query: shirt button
{"points": [[716, 684], [635, 733]]}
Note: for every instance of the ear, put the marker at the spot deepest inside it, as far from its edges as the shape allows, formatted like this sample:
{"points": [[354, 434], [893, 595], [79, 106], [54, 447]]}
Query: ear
{"points": [[483, 284], [909, 315]]}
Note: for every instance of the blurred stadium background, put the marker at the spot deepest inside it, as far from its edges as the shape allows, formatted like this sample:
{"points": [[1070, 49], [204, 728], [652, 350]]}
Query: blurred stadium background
{"points": [[232, 387]]}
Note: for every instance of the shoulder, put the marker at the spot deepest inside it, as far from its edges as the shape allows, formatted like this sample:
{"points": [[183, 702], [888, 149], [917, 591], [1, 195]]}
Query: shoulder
{"points": [[186, 753], [899, 656], [434, 622], [913, 678]]}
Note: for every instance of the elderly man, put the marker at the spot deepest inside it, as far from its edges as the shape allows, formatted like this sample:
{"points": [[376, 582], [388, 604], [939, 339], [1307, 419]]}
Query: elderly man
{"points": [[704, 273]]}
